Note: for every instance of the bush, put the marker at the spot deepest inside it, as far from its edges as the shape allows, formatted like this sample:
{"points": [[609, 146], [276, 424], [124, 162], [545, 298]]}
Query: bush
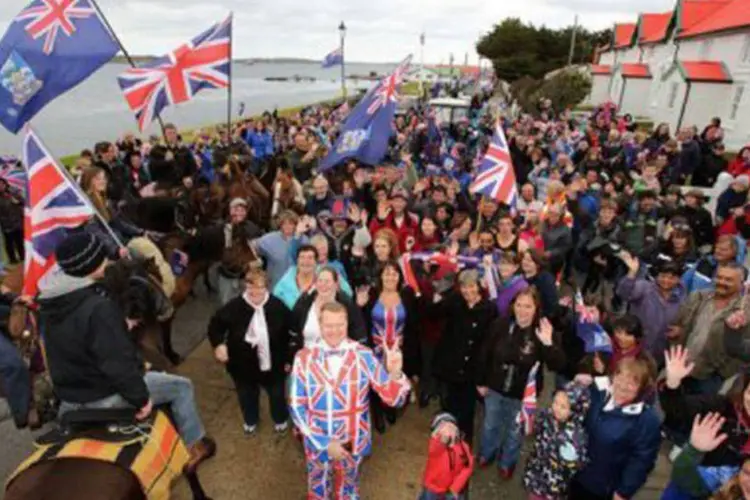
{"points": [[566, 89]]}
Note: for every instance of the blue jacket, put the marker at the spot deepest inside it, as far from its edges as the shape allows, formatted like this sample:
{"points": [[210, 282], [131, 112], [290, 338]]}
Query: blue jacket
{"points": [[261, 143], [287, 291], [623, 445]]}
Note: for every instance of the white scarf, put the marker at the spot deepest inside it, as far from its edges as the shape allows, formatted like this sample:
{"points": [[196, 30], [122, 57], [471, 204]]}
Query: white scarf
{"points": [[257, 333]]}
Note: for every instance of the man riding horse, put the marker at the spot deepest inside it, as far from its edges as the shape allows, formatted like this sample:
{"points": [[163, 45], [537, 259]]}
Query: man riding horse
{"points": [[91, 359]]}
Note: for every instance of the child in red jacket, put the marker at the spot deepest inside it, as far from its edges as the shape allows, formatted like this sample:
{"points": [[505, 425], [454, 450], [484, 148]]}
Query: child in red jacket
{"points": [[449, 462]]}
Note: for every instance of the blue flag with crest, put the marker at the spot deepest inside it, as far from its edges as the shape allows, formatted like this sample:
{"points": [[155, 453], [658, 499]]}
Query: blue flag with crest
{"points": [[49, 48], [368, 127]]}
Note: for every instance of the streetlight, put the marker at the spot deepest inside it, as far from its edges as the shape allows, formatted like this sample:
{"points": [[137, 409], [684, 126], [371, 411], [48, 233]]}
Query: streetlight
{"points": [[342, 32]]}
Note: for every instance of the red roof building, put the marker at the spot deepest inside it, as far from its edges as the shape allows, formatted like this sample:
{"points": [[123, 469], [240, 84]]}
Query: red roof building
{"points": [[601, 69], [624, 35], [699, 17], [635, 70], [653, 28], [704, 71]]}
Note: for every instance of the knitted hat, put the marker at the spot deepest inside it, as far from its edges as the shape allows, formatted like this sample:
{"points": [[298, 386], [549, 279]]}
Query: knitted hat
{"points": [[238, 202], [80, 254]]}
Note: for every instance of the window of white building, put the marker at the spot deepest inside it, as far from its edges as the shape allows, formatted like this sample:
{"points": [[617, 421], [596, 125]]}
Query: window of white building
{"points": [[745, 53], [705, 49], [739, 91], [673, 94]]}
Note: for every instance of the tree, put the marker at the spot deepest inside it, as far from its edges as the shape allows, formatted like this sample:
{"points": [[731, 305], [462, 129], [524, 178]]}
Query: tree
{"points": [[517, 49]]}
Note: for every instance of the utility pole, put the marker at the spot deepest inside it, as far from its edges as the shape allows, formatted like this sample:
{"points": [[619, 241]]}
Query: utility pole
{"points": [[421, 65], [573, 41], [342, 33]]}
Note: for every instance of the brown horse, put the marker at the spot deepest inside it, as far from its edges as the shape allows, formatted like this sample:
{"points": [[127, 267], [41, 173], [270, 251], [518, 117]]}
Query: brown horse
{"points": [[240, 183], [74, 479]]}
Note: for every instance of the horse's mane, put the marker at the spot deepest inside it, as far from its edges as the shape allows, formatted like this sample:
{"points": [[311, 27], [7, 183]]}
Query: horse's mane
{"points": [[127, 282]]}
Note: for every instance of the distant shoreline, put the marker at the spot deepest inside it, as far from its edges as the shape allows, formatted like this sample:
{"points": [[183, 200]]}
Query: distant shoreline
{"points": [[121, 59]]}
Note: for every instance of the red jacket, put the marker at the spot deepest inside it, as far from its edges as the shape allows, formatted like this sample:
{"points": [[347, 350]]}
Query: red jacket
{"points": [[449, 467]]}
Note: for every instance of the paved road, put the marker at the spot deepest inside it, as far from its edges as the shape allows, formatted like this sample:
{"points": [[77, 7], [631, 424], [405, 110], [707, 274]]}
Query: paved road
{"points": [[268, 466]]}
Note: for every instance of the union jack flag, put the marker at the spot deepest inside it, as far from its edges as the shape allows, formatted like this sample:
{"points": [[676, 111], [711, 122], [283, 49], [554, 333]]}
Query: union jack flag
{"points": [[529, 402], [48, 17], [54, 204], [495, 177], [386, 91], [203, 63]]}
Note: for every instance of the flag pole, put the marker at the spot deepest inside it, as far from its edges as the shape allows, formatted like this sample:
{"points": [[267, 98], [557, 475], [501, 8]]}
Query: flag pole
{"points": [[124, 52], [229, 87]]}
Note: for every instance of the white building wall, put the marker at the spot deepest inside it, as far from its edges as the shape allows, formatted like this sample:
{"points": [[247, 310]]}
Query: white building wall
{"points": [[629, 55], [669, 100], [660, 59], [599, 89], [615, 88], [607, 58], [633, 101], [706, 101]]}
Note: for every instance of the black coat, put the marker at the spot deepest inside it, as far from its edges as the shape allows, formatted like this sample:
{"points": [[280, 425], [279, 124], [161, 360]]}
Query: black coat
{"points": [[229, 326], [509, 352], [464, 331], [410, 348], [356, 323], [90, 354], [700, 222]]}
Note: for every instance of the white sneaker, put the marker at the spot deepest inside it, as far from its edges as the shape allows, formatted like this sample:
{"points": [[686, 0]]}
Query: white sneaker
{"points": [[279, 428], [674, 453], [249, 429]]}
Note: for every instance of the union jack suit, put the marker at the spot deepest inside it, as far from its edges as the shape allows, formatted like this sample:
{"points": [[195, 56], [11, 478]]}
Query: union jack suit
{"points": [[326, 406]]}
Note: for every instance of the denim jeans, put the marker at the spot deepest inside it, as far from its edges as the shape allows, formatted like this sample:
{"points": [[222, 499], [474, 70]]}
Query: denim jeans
{"points": [[229, 288], [164, 389], [248, 394], [501, 432], [16, 379], [429, 495]]}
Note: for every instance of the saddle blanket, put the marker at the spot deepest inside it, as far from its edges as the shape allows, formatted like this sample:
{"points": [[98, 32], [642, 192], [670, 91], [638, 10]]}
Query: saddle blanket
{"points": [[155, 456]]}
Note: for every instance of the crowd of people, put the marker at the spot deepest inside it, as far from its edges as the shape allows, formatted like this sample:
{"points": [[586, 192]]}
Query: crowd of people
{"points": [[372, 287]]}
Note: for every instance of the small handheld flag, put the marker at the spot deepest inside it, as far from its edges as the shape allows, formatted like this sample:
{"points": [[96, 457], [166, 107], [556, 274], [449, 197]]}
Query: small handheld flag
{"points": [[529, 401], [495, 177], [589, 330]]}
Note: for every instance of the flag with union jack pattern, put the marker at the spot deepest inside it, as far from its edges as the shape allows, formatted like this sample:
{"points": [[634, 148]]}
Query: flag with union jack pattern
{"points": [[53, 205], [50, 47], [333, 58], [529, 401], [203, 63], [369, 126], [495, 177]]}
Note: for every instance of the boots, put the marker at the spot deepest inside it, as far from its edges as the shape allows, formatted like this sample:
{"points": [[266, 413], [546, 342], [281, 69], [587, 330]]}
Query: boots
{"points": [[199, 453]]}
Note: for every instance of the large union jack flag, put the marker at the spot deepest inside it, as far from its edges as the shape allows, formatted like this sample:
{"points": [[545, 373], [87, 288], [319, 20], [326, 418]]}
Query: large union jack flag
{"points": [[495, 177], [204, 63], [49, 17], [53, 204], [588, 328]]}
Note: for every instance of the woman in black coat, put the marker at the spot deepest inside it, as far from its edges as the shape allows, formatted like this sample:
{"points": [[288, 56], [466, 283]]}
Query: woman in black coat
{"points": [[392, 316], [511, 350], [468, 317], [305, 327], [250, 336]]}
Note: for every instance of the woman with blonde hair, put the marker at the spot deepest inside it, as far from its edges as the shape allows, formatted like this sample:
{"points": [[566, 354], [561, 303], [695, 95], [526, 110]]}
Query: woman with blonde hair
{"points": [[94, 184]]}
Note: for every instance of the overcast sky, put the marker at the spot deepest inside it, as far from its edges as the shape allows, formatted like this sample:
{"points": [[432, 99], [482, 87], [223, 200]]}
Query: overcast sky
{"points": [[378, 30]]}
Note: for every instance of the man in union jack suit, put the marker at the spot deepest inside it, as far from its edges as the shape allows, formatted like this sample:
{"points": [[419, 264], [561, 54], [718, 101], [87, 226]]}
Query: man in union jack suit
{"points": [[329, 403]]}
